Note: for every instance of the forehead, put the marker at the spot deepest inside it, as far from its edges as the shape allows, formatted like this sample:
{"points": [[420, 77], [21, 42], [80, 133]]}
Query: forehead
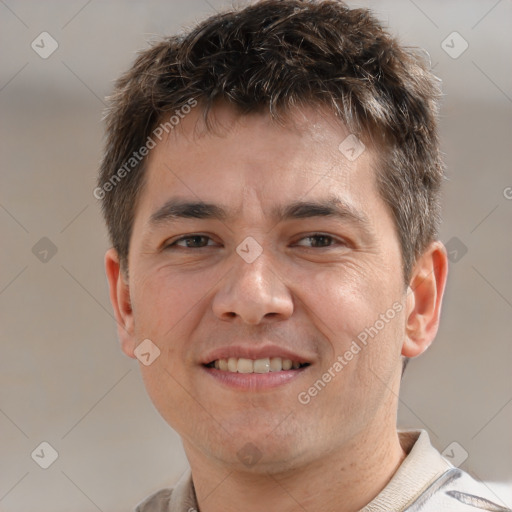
{"points": [[240, 157]]}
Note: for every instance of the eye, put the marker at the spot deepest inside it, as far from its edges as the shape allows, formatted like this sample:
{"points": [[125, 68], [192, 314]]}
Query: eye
{"points": [[318, 240], [192, 242]]}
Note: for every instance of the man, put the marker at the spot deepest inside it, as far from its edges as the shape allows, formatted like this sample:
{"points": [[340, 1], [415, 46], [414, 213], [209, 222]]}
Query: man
{"points": [[271, 188]]}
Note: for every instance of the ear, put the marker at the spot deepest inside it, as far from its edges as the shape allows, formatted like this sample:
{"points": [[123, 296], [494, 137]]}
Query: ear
{"points": [[424, 298], [120, 299]]}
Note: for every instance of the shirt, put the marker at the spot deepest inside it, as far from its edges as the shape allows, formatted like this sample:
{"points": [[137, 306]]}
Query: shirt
{"points": [[424, 482]]}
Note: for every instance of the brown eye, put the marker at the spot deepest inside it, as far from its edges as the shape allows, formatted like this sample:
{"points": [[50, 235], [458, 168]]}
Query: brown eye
{"points": [[192, 242], [316, 241]]}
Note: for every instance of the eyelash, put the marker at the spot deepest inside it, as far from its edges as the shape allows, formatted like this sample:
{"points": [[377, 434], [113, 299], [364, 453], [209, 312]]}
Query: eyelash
{"points": [[311, 236]]}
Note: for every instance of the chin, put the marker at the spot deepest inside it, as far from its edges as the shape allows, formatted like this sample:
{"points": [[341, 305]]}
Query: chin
{"points": [[260, 454]]}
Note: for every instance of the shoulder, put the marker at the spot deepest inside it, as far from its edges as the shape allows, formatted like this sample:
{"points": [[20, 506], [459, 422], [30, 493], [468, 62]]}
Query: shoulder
{"points": [[181, 498], [157, 502], [457, 491]]}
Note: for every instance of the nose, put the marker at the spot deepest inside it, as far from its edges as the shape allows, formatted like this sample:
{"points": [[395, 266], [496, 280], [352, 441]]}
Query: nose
{"points": [[253, 292]]}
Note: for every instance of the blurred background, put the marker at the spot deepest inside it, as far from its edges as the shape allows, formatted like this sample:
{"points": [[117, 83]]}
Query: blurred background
{"points": [[63, 378]]}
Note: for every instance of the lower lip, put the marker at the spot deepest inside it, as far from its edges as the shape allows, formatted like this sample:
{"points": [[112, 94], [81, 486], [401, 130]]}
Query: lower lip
{"points": [[254, 381]]}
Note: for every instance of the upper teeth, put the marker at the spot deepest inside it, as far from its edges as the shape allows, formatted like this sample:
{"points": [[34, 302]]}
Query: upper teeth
{"points": [[242, 365]]}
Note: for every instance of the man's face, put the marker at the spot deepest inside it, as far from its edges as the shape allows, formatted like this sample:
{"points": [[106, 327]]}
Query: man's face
{"points": [[273, 277]]}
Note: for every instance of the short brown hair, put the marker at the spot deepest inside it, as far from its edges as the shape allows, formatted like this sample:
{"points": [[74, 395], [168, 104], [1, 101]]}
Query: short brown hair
{"points": [[276, 56]]}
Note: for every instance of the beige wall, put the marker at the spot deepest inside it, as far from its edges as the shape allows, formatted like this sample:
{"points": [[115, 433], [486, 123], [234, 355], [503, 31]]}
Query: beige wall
{"points": [[63, 379]]}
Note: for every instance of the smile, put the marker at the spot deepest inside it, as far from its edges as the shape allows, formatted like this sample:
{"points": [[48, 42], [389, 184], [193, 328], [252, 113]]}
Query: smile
{"points": [[264, 365]]}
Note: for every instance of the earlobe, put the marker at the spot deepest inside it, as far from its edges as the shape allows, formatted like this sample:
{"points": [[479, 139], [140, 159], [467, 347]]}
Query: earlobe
{"points": [[424, 299], [120, 298]]}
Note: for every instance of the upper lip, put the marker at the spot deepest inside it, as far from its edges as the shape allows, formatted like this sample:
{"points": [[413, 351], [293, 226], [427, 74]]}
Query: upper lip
{"points": [[254, 352]]}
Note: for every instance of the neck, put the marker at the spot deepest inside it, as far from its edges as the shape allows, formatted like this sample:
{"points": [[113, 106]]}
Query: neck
{"points": [[344, 481]]}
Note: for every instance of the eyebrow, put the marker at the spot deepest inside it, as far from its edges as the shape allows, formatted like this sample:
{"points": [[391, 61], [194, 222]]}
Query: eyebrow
{"points": [[175, 209]]}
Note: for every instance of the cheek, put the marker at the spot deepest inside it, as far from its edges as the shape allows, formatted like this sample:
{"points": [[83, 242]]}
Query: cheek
{"points": [[166, 298], [343, 299], [170, 393], [357, 310], [168, 305]]}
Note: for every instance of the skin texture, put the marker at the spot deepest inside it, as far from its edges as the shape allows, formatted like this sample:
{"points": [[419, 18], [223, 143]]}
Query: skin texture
{"points": [[312, 296]]}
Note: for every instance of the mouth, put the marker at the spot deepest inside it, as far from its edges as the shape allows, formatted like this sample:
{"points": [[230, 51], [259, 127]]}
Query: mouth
{"points": [[259, 366], [255, 368]]}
